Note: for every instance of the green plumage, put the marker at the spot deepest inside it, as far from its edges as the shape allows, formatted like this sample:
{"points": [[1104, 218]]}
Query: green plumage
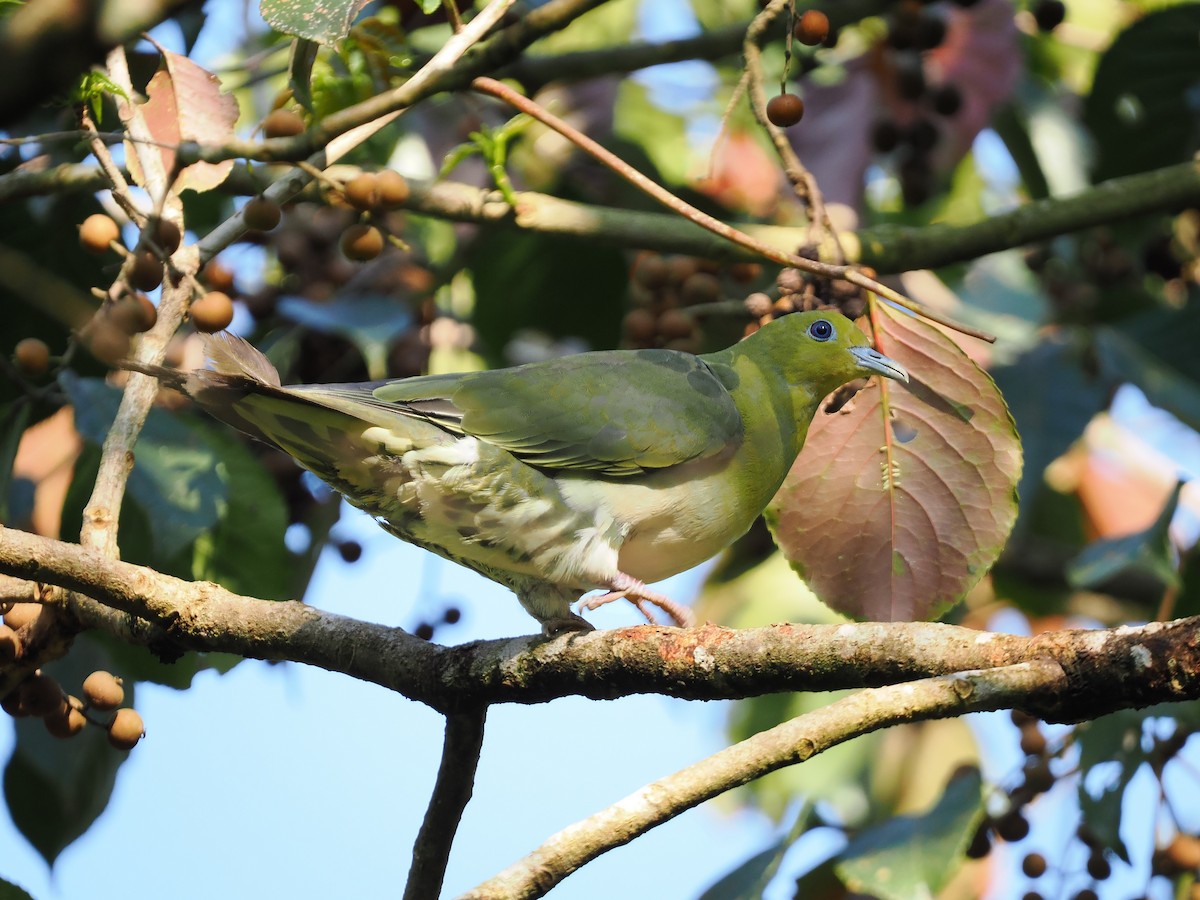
{"points": [[597, 471]]}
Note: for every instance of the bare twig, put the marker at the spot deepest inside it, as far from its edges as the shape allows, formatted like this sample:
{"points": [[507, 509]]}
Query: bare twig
{"points": [[797, 173], [784, 745], [674, 203], [451, 793]]}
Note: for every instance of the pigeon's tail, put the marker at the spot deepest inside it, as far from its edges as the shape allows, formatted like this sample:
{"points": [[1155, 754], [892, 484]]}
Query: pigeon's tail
{"points": [[229, 354]]}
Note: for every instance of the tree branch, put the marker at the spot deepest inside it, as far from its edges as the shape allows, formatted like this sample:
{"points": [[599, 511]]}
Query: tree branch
{"points": [[791, 742], [1106, 670], [885, 248], [451, 793]]}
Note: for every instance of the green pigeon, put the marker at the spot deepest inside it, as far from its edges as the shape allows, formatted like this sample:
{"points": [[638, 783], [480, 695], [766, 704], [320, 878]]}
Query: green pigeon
{"points": [[605, 470]]}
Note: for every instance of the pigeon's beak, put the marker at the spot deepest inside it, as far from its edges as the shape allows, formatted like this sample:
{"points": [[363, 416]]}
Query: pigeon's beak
{"points": [[873, 361]]}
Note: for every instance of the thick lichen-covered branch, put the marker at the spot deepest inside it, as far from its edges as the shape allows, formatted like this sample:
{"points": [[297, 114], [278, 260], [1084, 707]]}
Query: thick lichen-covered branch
{"points": [[1106, 670]]}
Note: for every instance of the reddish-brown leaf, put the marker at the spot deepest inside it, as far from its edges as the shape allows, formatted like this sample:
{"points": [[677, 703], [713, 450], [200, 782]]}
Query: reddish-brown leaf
{"points": [[901, 501], [185, 103]]}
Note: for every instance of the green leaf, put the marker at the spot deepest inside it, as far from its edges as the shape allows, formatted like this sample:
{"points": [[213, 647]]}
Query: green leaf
{"points": [[14, 418], [174, 479], [1141, 110], [300, 65], [1124, 360], [9, 891], [326, 22], [900, 502], [56, 788], [1148, 552], [1118, 739], [246, 552], [1052, 398], [560, 287], [429, 7], [371, 323], [910, 857], [748, 880]]}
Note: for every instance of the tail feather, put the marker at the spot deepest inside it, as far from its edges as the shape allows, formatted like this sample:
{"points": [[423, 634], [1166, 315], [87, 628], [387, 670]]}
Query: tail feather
{"points": [[229, 354]]}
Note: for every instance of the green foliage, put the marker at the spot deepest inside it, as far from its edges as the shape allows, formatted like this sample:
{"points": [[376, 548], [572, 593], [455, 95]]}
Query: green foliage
{"points": [[915, 856], [325, 23], [1140, 110], [56, 788], [93, 88]]}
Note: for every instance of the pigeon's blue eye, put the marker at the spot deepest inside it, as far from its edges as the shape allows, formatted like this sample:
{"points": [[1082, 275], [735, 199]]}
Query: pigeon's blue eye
{"points": [[821, 330]]}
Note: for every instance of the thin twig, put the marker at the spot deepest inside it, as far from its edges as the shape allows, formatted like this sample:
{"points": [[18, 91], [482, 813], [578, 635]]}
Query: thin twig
{"points": [[116, 178], [802, 180], [674, 203], [451, 793], [784, 745]]}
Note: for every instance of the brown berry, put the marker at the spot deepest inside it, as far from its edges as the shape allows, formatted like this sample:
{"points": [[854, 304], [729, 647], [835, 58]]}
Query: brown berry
{"points": [[946, 100], [1085, 894], [362, 191], [282, 123], [1184, 852], [108, 343], [361, 242], [133, 314], [41, 694], [452, 615], [32, 357], [261, 213], [1049, 14], [639, 326], [103, 691], [351, 551], [393, 188], [212, 312], [1038, 777], [11, 704], [166, 235], [97, 232], [651, 271], [785, 110], [1034, 865], [812, 27], [700, 288], [147, 271], [217, 277], [680, 268], [885, 135], [21, 614], [981, 842], [1033, 742], [1012, 826], [126, 729], [67, 721], [674, 324], [424, 631], [10, 645], [744, 272], [1098, 866]]}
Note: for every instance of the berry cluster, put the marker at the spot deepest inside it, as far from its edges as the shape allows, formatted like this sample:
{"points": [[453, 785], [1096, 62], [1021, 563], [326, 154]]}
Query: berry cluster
{"points": [[65, 715], [664, 291]]}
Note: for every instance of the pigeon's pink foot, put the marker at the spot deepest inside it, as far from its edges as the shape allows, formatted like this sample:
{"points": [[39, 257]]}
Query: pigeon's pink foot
{"points": [[629, 588]]}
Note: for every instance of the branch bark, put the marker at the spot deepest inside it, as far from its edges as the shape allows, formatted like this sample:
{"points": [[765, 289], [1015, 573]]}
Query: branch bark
{"points": [[1106, 670]]}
